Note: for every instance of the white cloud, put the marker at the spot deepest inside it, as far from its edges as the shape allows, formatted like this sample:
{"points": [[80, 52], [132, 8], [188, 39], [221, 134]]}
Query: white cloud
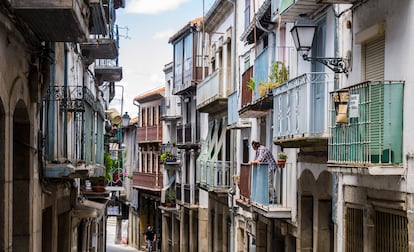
{"points": [[163, 34], [153, 7]]}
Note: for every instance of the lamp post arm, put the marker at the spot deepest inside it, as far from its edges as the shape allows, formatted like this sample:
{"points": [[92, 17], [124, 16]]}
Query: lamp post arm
{"points": [[338, 65]]}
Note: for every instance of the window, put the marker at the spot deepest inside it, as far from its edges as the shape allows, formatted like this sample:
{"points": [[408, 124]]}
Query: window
{"points": [[354, 230], [391, 232], [373, 57], [247, 14]]}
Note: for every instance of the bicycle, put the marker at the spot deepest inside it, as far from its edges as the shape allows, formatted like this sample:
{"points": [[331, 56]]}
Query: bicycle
{"points": [[149, 245]]}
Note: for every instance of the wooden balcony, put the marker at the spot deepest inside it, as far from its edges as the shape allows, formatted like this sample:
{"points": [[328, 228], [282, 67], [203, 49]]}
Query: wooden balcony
{"points": [[261, 103], [149, 134], [186, 138], [60, 21], [148, 181], [245, 184], [246, 93], [187, 195]]}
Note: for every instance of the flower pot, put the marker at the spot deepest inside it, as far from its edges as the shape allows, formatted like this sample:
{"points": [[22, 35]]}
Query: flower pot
{"points": [[281, 163], [98, 186]]}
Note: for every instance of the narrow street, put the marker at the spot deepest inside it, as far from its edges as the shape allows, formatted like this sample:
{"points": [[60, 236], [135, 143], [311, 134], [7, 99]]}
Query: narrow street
{"points": [[110, 240]]}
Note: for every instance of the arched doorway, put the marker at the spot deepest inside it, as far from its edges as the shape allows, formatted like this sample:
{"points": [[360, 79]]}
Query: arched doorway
{"points": [[21, 178]]}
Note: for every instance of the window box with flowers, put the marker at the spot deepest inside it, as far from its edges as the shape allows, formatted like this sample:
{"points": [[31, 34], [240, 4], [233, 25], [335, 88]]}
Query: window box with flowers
{"points": [[168, 157]]}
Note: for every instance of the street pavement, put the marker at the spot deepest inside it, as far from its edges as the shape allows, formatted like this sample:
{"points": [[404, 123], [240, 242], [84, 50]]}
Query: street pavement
{"points": [[110, 240]]}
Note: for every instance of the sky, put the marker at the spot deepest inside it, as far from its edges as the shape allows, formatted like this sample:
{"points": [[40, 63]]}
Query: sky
{"points": [[145, 27]]}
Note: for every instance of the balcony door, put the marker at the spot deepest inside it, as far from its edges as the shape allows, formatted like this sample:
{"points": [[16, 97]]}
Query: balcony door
{"points": [[317, 84]]}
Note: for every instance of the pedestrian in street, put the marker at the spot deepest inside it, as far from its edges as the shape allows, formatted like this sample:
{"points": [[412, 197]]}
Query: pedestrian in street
{"points": [[150, 238], [264, 155]]}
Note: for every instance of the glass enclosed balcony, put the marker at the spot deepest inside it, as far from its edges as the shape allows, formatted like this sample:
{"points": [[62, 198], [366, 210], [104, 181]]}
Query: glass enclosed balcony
{"points": [[366, 127]]}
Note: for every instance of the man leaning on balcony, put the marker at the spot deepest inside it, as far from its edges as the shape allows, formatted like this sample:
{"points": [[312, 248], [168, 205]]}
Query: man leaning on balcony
{"points": [[264, 155]]}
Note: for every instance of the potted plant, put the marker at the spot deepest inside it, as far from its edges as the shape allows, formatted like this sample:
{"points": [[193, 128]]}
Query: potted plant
{"points": [[281, 159], [98, 183], [170, 198], [163, 157]]}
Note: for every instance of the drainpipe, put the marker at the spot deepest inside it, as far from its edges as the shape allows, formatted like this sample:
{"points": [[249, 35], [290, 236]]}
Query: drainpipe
{"points": [[272, 50], [234, 86]]}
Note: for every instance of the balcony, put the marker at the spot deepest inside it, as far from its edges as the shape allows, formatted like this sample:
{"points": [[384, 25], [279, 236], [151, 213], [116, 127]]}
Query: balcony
{"points": [[98, 17], [211, 96], [187, 81], [244, 184], [149, 134], [170, 108], [246, 92], [185, 136], [101, 48], [261, 103], [269, 204], [108, 70], [215, 175], [289, 10], [72, 98], [263, 15], [187, 195], [367, 137], [59, 21], [148, 181], [299, 105], [170, 155]]}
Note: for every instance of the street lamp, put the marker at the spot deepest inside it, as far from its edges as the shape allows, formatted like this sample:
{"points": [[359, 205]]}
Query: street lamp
{"points": [[125, 120], [303, 33]]}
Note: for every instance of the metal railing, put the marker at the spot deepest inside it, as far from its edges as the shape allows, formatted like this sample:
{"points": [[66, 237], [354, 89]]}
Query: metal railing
{"points": [[373, 132], [215, 174], [262, 193], [299, 106]]}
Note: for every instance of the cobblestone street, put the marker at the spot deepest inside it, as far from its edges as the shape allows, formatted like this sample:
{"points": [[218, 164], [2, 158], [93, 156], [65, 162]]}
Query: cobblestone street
{"points": [[110, 240]]}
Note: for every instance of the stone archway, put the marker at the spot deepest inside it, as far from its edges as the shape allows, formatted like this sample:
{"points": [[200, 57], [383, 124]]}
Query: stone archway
{"points": [[21, 178], [307, 185]]}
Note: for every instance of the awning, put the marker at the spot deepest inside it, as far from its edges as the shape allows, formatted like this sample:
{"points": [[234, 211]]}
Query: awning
{"points": [[166, 187], [88, 209]]}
